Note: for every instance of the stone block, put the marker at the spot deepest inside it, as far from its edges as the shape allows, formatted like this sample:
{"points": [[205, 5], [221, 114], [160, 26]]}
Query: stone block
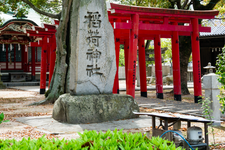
{"points": [[92, 59], [210, 81], [94, 108], [211, 86]]}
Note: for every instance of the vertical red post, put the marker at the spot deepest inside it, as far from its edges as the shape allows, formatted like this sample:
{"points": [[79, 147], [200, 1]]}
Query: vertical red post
{"points": [[25, 58], [43, 66], [126, 52], [52, 58], [33, 63], [158, 67], [117, 49], [132, 57], [176, 67], [142, 67], [196, 60]]}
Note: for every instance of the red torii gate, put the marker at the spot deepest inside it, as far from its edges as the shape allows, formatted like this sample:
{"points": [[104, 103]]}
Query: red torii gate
{"points": [[48, 44], [132, 25]]}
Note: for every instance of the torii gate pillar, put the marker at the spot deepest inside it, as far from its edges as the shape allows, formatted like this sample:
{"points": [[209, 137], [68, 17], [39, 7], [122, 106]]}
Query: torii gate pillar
{"points": [[132, 58], [52, 58], [117, 49], [142, 67], [176, 66], [43, 66], [158, 67], [196, 60]]}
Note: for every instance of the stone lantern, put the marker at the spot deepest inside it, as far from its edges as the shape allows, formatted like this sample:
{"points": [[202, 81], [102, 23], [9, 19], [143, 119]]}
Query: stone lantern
{"points": [[209, 68]]}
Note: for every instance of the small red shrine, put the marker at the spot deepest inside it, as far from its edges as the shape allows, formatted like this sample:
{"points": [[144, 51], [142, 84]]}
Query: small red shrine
{"points": [[132, 26], [23, 47]]}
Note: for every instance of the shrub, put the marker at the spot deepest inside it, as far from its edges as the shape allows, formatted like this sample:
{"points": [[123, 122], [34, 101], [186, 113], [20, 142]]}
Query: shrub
{"points": [[111, 140], [220, 63]]}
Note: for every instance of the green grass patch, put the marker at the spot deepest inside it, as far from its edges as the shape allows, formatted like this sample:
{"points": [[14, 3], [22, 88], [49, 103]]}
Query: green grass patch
{"points": [[111, 140]]}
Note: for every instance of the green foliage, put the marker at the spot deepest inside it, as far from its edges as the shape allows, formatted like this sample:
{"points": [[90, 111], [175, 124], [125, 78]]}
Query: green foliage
{"points": [[166, 43], [111, 140], [16, 6], [207, 113], [121, 58], [1, 20], [20, 7], [2, 118], [220, 63]]}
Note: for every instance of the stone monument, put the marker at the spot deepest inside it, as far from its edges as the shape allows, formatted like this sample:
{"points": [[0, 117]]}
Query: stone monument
{"points": [[92, 70]]}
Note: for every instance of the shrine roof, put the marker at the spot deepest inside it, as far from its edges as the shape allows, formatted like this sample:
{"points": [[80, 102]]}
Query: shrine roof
{"points": [[127, 10], [18, 21], [217, 28]]}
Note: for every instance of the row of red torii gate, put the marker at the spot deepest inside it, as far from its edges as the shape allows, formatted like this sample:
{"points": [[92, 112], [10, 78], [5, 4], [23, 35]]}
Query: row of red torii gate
{"points": [[132, 26]]}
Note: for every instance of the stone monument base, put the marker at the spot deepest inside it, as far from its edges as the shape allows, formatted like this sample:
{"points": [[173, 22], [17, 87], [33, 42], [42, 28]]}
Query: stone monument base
{"points": [[2, 86], [94, 108]]}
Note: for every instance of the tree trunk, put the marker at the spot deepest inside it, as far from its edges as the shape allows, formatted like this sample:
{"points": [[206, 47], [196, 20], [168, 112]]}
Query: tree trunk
{"points": [[59, 82], [185, 52]]}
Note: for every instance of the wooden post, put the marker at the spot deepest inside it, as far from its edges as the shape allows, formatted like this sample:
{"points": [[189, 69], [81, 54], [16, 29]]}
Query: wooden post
{"points": [[206, 134], [132, 58], [158, 67], [142, 67], [196, 60], [43, 66], [176, 67]]}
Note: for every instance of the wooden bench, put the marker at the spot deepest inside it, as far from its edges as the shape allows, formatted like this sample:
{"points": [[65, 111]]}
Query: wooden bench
{"points": [[167, 118]]}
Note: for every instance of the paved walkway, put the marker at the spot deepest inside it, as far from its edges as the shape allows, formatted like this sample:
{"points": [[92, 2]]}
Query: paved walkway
{"points": [[170, 106]]}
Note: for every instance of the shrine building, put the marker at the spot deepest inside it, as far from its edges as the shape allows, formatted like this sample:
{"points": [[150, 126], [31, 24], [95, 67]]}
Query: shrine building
{"points": [[21, 45]]}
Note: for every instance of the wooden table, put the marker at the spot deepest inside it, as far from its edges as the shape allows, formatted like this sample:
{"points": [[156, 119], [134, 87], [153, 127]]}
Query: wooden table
{"points": [[177, 117]]}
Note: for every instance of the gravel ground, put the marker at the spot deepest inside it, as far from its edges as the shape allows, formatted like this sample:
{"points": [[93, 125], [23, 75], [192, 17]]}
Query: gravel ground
{"points": [[14, 104]]}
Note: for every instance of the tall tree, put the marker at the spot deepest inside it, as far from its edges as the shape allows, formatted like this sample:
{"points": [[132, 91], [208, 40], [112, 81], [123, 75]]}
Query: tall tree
{"points": [[184, 41]]}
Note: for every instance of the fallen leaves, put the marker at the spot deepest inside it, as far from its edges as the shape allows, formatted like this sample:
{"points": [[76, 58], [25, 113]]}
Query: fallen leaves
{"points": [[17, 115], [25, 133]]}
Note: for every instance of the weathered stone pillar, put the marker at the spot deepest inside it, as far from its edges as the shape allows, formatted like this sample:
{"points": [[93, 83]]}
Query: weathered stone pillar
{"points": [[211, 87], [92, 59], [92, 70]]}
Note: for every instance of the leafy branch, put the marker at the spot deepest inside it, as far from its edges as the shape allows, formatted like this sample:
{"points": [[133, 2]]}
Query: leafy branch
{"points": [[220, 63], [207, 113]]}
